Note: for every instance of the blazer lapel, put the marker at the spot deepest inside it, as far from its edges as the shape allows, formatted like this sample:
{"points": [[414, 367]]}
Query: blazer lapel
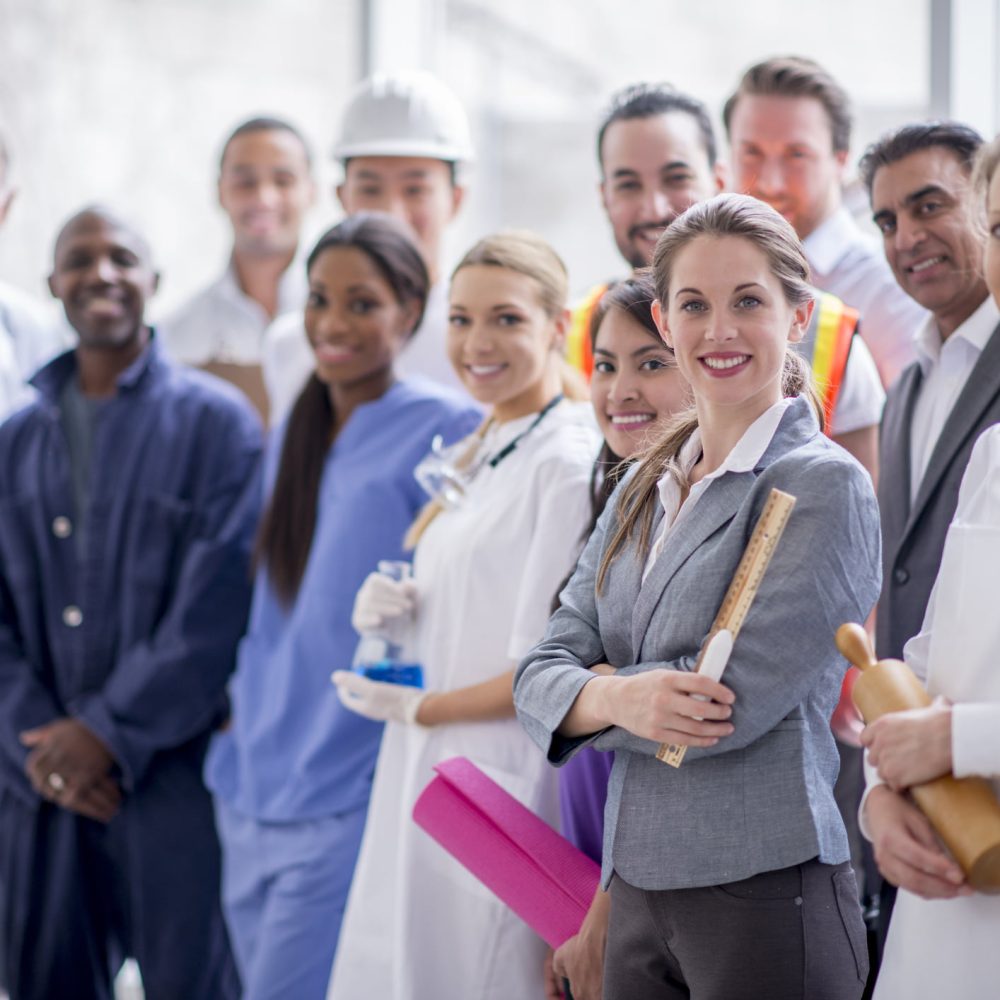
{"points": [[979, 391], [894, 447], [719, 503]]}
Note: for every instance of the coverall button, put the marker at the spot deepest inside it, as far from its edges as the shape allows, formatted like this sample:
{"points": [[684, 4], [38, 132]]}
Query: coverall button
{"points": [[62, 527], [72, 616]]}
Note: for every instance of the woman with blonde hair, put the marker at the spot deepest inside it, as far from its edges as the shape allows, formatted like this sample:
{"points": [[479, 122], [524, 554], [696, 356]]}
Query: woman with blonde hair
{"points": [[491, 549], [729, 875]]}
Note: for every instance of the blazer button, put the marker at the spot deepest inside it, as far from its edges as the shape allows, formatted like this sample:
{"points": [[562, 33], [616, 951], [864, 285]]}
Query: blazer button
{"points": [[72, 616], [62, 527], [900, 575]]}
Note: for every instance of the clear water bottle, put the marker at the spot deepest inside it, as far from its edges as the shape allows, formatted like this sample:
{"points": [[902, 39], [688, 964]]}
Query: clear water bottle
{"points": [[383, 655]]}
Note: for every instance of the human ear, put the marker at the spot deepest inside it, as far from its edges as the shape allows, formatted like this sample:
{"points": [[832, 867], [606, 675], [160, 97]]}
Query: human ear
{"points": [[800, 321], [721, 176], [410, 312], [560, 325], [457, 198], [660, 319]]}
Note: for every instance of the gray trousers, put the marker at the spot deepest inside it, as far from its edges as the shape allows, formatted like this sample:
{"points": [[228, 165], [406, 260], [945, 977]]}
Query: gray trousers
{"points": [[793, 934]]}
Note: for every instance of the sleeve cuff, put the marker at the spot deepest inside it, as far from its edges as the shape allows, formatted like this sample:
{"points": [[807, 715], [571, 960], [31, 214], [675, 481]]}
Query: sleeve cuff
{"points": [[94, 714], [872, 780], [975, 739]]}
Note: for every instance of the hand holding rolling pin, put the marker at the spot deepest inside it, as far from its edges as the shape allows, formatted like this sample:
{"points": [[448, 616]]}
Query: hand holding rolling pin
{"points": [[912, 747], [964, 813]]}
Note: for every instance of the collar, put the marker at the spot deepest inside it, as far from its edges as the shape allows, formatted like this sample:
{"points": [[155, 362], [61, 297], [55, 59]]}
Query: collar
{"points": [[745, 456], [827, 244], [975, 331], [52, 378], [293, 285]]}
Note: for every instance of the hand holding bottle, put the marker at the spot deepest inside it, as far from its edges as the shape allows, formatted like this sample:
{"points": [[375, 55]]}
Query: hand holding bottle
{"points": [[381, 599]]}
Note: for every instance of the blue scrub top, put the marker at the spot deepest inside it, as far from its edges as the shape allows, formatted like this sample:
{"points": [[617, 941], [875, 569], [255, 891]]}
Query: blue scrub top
{"points": [[293, 752]]}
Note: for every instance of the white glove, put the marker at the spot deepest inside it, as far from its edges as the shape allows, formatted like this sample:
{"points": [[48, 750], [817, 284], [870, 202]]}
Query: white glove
{"points": [[381, 599], [376, 699]]}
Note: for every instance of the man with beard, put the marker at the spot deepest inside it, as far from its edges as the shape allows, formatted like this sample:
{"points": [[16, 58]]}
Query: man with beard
{"points": [[657, 154], [789, 126], [128, 501]]}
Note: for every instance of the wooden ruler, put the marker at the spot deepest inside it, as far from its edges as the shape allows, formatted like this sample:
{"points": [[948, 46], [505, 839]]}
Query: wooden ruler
{"points": [[743, 588]]}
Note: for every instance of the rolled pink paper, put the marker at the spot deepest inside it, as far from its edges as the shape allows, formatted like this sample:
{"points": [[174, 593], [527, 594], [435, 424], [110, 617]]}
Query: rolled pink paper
{"points": [[539, 874]]}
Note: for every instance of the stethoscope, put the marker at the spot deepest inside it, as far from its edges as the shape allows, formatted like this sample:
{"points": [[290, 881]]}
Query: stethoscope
{"points": [[512, 445]]}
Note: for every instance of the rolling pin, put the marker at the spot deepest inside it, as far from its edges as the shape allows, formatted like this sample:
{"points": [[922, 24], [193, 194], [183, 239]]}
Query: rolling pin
{"points": [[964, 812]]}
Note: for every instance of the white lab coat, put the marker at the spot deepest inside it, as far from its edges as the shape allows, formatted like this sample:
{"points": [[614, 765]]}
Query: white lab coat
{"points": [[418, 925], [951, 948]]}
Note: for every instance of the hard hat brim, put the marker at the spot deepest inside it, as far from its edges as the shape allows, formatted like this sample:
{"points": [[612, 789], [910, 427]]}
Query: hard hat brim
{"points": [[403, 147]]}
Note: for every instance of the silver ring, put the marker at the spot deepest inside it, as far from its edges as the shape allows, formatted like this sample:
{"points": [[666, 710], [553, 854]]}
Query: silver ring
{"points": [[56, 782]]}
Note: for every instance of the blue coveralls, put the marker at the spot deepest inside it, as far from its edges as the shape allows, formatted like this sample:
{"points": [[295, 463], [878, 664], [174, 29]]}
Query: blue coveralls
{"points": [[136, 637]]}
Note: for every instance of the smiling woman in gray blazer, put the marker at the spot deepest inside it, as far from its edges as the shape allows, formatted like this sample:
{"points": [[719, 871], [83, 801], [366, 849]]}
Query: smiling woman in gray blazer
{"points": [[729, 875]]}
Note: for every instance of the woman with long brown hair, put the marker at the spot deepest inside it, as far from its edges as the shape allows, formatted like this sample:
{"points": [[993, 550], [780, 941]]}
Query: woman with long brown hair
{"points": [[293, 771], [729, 875]]}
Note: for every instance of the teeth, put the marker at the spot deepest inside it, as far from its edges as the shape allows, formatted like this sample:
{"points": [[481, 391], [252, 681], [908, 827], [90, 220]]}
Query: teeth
{"points": [[485, 369], [632, 418], [924, 264], [721, 363]]}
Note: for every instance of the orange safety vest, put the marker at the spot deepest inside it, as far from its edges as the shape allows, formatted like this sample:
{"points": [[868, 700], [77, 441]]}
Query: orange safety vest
{"points": [[579, 350], [827, 345]]}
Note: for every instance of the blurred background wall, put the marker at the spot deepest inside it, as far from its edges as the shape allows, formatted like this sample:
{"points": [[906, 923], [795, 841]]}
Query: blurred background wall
{"points": [[128, 100]]}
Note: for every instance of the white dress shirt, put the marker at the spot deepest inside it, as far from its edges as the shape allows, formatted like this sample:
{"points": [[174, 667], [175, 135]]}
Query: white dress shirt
{"points": [[744, 457], [288, 359], [946, 366], [221, 323], [847, 264]]}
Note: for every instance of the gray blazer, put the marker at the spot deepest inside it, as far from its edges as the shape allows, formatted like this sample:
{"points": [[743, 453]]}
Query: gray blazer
{"points": [[913, 534], [762, 798]]}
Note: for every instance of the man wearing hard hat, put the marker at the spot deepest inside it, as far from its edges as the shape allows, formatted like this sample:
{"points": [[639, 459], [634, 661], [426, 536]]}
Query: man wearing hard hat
{"points": [[403, 140]]}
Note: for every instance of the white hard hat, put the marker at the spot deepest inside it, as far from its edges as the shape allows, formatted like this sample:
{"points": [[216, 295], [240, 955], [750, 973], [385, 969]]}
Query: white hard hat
{"points": [[404, 114]]}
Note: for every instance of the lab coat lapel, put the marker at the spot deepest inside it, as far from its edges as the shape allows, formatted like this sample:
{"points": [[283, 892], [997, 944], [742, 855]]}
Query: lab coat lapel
{"points": [[980, 391], [719, 503]]}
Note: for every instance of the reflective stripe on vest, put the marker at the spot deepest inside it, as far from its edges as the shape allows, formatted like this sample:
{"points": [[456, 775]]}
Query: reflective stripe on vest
{"points": [[579, 350], [826, 347]]}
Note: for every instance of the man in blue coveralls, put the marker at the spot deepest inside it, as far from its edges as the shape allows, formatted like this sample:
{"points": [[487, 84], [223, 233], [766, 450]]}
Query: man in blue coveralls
{"points": [[128, 502]]}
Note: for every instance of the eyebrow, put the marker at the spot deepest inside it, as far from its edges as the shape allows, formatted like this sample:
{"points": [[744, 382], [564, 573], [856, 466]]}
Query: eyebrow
{"points": [[356, 287], [632, 172], [738, 288], [923, 192], [415, 173]]}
